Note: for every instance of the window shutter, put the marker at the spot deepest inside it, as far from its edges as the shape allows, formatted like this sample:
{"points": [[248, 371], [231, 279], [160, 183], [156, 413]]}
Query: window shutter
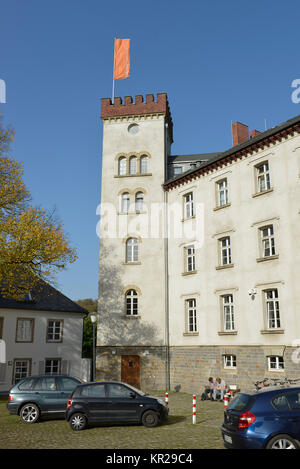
{"points": [[65, 367], [41, 367], [2, 372]]}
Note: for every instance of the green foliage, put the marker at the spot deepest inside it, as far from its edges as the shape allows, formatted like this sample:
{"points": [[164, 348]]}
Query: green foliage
{"points": [[87, 342]]}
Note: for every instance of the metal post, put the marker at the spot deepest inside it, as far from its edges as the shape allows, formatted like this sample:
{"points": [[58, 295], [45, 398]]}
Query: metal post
{"points": [[94, 353]]}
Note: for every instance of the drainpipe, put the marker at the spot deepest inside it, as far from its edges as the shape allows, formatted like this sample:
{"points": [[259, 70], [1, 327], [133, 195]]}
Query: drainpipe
{"points": [[166, 248]]}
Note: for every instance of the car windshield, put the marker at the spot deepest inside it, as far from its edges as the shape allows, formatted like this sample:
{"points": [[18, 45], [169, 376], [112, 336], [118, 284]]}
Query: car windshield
{"points": [[241, 403]]}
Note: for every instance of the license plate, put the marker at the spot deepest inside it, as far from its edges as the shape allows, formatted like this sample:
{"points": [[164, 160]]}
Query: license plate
{"points": [[228, 439]]}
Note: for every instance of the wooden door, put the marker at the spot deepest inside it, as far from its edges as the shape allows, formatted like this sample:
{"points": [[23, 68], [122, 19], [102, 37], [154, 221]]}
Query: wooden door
{"points": [[130, 370]]}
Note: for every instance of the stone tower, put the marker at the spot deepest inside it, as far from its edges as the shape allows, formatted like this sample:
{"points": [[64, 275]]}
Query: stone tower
{"points": [[133, 320]]}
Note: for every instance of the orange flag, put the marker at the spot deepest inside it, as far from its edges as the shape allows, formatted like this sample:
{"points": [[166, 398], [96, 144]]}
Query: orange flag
{"points": [[121, 59]]}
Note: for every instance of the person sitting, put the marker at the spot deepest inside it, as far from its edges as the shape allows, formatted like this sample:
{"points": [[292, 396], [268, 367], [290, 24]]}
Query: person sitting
{"points": [[209, 389], [219, 389]]}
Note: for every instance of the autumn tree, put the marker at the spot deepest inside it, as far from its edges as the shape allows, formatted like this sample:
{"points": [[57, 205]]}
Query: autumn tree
{"points": [[33, 246]]}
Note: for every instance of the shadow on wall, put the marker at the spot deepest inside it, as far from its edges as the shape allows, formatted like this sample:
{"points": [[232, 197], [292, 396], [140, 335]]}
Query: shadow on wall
{"points": [[114, 328]]}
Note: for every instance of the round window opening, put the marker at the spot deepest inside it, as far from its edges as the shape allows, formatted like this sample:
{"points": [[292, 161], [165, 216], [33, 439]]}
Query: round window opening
{"points": [[133, 129]]}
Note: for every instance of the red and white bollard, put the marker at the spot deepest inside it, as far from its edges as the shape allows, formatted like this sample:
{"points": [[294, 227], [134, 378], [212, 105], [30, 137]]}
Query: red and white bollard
{"points": [[226, 401], [194, 408], [167, 399]]}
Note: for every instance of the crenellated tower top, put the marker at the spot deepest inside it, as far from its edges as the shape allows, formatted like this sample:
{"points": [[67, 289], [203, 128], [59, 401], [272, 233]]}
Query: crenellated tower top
{"points": [[138, 107]]}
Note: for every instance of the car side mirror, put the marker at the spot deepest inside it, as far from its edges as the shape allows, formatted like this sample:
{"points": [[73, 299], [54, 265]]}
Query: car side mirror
{"points": [[132, 395]]}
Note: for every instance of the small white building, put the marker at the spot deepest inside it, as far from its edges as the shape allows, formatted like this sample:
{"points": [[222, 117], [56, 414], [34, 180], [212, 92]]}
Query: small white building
{"points": [[41, 335]]}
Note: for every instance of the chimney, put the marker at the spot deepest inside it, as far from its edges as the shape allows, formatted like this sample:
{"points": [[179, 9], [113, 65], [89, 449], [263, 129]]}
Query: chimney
{"points": [[240, 133], [254, 133]]}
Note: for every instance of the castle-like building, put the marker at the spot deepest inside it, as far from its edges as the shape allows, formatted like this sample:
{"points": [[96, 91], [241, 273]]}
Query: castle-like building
{"points": [[199, 267]]}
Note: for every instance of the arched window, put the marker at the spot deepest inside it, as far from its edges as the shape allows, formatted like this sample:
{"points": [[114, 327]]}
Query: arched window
{"points": [[133, 165], [125, 202], [132, 250], [131, 302], [122, 166], [139, 201], [144, 164]]}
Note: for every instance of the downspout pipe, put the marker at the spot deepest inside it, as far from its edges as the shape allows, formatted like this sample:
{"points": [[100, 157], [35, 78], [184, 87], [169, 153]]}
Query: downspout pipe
{"points": [[166, 256]]}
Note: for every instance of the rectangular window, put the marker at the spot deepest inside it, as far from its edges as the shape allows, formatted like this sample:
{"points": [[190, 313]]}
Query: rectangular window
{"points": [[54, 330], [188, 205], [191, 315], [263, 177], [229, 361], [272, 309], [267, 241], [21, 369], [225, 251], [275, 363], [24, 331], [190, 260], [228, 313], [52, 366], [222, 193]]}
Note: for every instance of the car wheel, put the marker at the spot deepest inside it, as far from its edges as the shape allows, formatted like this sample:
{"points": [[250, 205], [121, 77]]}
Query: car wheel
{"points": [[30, 413], [78, 422], [150, 419], [282, 442]]}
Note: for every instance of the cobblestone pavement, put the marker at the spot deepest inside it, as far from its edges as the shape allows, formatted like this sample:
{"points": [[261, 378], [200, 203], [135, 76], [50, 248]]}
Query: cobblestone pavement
{"points": [[178, 433]]}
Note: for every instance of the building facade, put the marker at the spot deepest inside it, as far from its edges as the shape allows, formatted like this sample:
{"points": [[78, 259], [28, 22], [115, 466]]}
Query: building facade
{"points": [[41, 335], [199, 254]]}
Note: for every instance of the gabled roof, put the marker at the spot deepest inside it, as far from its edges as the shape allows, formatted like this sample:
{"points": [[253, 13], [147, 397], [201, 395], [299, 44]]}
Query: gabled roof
{"points": [[189, 158], [258, 142], [44, 298]]}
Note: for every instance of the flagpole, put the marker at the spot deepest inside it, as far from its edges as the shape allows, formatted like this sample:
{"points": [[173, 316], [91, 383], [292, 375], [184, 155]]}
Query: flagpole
{"points": [[113, 87]]}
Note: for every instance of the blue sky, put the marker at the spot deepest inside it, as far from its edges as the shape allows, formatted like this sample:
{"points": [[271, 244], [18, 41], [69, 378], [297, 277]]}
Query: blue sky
{"points": [[217, 61]]}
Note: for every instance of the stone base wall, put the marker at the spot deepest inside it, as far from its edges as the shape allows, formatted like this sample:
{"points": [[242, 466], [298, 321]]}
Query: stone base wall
{"points": [[152, 365], [190, 367]]}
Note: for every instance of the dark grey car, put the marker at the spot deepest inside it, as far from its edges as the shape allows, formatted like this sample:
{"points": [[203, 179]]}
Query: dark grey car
{"points": [[113, 402], [39, 396]]}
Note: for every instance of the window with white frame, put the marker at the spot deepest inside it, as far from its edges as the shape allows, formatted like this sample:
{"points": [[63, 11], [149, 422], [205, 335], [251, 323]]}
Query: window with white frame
{"points": [[52, 366], [275, 363], [144, 164], [122, 166], [267, 241], [125, 201], [190, 259], [188, 205], [191, 315], [229, 361], [132, 250], [54, 330], [222, 193], [272, 309], [21, 369], [24, 331], [228, 312], [139, 201], [133, 165], [131, 297], [225, 250], [263, 177]]}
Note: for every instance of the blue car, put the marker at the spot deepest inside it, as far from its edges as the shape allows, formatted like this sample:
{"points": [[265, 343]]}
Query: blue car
{"points": [[35, 397], [264, 419]]}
